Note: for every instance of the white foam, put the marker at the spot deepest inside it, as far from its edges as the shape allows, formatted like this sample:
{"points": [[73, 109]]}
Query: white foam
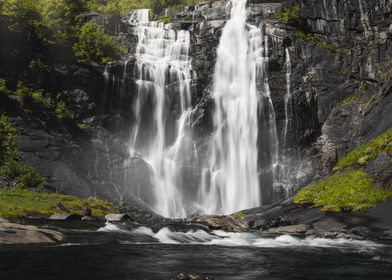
{"points": [[201, 237]]}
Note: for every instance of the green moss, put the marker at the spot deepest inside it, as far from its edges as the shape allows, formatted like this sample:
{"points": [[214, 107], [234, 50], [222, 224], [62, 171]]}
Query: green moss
{"points": [[312, 39], [367, 152], [238, 215], [348, 99], [351, 188], [18, 203]]}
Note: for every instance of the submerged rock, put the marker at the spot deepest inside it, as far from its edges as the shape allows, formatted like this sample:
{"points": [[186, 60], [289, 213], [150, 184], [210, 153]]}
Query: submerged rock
{"points": [[20, 234], [192, 276], [64, 217], [226, 223], [116, 217], [294, 229]]}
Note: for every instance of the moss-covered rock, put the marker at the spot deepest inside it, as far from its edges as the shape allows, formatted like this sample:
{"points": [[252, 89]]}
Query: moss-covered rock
{"points": [[19, 202], [350, 189], [367, 152]]}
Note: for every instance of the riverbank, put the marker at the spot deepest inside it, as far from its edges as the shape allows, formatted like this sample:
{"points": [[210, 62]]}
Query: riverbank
{"points": [[284, 218]]}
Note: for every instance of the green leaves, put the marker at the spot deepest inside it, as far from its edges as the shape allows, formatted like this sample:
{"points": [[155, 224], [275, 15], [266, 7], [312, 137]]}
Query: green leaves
{"points": [[11, 168], [93, 45]]}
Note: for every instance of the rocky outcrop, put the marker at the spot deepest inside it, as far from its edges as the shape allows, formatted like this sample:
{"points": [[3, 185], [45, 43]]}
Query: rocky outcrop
{"points": [[226, 223], [16, 234]]}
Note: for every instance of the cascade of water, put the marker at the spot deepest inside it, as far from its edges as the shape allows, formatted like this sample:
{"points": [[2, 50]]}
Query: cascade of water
{"points": [[241, 93], [161, 60], [287, 100]]}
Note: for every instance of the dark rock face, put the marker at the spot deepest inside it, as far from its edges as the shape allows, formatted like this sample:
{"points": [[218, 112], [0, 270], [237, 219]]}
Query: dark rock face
{"points": [[381, 169]]}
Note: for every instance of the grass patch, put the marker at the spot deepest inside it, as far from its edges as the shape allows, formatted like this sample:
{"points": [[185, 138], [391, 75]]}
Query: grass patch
{"points": [[238, 215], [351, 188], [348, 99], [19, 202], [367, 152]]}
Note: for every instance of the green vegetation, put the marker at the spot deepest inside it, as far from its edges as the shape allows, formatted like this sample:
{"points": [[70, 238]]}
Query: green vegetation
{"points": [[29, 98], [120, 7], [351, 188], [62, 112], [58, 24], [165, 19], [367, 152], [289, 15], [348, 99], [19, 202], [312, 39], [94, 45], [238, 215], [11, 168]]}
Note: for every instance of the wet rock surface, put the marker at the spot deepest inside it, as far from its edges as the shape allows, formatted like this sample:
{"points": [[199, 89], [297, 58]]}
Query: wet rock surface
{"points": [[192, 276], [17, 234], [225, 223], [375, 224]]}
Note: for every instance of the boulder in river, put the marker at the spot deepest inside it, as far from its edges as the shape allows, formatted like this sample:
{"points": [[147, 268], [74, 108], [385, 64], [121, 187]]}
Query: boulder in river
{"points": [[116, 217], [294, 229], [226, 223], [20, 234], [64, 217]]}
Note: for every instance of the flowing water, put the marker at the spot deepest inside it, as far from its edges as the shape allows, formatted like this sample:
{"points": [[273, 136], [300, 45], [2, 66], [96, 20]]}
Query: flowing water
{"points": [[245, 166], [287, 100], [135, 253], [161, 61], [240, 91]]}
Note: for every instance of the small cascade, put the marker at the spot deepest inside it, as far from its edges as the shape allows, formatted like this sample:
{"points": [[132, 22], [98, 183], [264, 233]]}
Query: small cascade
{"points": [[242, 97], [287, 100], [162, 62]]}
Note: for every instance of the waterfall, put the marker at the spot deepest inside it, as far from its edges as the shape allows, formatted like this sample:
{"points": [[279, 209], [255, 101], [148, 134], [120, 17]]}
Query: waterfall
{"points": [[161, 61], [287, 100], [241, 94]]}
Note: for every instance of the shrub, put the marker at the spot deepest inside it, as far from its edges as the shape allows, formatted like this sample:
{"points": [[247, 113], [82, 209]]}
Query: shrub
{"points": [[8, 135], [3, 87], [289, 15], [21, 175], [93, 45], [40, 99], [62, 112], [11, 169], [351, 188]]}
